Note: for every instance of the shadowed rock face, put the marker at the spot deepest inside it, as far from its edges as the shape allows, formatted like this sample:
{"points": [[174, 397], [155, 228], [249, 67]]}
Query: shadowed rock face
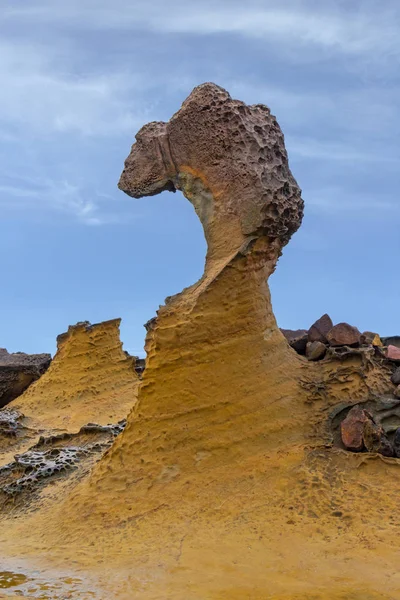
{"points": [[229, 160], [18, 371]]}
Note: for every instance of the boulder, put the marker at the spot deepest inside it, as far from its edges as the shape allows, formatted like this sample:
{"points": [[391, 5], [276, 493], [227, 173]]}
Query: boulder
{"points": [[315, 350], [375, 439], [18, 371], [343, 334], [396, 377], [396, 443], [352, 428], [297, 339], [319, 330], [392, 340], [393, 353], [371, 338], [397, 392]]}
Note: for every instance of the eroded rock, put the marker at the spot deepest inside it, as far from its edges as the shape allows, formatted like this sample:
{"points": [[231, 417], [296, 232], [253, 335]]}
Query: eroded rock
{"points": [[18, 371], [375, 439], [371, 338], [201, 151], [54, 455], [90, 378], [396, 443], [319, 330], [396, 377], [315, 350], [343, 334], [352, 428]]}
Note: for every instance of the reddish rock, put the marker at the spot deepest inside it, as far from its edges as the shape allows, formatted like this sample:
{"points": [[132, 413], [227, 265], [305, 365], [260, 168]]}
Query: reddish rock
{"points": [[297, 339], [352, 428], [343, 334], [315, 350], [375, 439], [393, 353], [318, 331]]}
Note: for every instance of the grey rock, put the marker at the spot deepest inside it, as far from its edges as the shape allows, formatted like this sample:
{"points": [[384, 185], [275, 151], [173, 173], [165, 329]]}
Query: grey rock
{"points": [[315, 350]]}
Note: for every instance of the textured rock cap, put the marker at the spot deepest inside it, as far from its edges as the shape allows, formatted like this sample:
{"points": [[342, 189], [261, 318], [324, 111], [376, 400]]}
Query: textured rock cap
{"points": [[229, 160]]}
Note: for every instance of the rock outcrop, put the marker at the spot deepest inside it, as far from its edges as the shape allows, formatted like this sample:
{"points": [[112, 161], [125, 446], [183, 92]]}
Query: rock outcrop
{"points": [[18, 371], [226, 482], [90, 378]]}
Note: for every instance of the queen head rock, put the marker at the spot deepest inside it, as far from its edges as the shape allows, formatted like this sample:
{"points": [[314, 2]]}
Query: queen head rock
{"points": [[230, 162], [225, 482]]}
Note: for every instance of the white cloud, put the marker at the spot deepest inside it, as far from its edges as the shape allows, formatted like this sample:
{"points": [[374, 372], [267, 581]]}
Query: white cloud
{"points": [[39, 92], [307, 148], [351, 31], [336, 200], [39, 193]]}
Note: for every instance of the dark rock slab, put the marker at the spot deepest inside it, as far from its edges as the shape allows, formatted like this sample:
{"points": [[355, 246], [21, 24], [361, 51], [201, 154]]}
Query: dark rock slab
{"points": [[18, 371], [297, 339], [396, 443], [391, 340], [319, 330]]}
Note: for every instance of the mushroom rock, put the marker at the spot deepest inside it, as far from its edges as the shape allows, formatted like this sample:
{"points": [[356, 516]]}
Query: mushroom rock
{"points": [[18, 371], [225, 473], [90, 378]]}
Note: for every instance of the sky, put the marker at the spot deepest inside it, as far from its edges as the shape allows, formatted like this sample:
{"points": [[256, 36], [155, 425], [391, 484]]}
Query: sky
{"points": [[79, 78]]}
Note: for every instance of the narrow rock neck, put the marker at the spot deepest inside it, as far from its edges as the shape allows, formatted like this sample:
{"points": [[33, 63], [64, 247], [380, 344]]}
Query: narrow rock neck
{"points": [[222, 229]]}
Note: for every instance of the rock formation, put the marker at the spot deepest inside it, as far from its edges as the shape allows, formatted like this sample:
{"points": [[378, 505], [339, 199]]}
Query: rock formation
{"points": [[18, 371], [90, 378], [226, 482]]}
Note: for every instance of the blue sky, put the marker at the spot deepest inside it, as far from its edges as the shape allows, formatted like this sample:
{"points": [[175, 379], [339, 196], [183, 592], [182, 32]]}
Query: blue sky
{"points": [[79, 78]]}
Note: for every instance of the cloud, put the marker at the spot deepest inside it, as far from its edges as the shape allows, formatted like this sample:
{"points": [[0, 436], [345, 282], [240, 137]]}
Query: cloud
{"points": [[351, 30], [334, 200], [306, 148], [39, 92], [42, 194]]}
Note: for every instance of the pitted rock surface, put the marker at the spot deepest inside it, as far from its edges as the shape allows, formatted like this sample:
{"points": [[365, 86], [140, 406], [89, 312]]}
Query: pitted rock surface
{"points": [[229, 160], [54, 455]]}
